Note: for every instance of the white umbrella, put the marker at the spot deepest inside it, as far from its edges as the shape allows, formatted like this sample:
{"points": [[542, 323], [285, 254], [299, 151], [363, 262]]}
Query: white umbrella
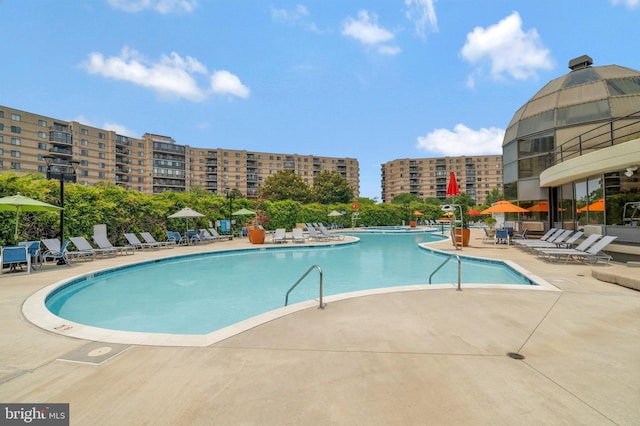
{"points": [[186, 213], [334, 213]]}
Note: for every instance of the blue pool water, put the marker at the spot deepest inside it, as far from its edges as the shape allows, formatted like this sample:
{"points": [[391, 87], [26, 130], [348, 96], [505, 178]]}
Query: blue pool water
{"points": [[203, 293]]}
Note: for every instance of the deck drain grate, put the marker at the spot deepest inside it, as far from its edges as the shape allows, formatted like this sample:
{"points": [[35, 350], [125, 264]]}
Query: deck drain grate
{"points": [[515, 355], [95, 353]]}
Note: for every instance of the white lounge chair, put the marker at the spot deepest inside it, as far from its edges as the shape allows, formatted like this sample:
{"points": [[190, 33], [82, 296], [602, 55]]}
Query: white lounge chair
{"points": [[325, 232], [565, 253], [315, 235], [217, 236], [560, 243], [551, 233], [83, 245], [58, 252], [297, 236], [553, 241], [280, 236]]}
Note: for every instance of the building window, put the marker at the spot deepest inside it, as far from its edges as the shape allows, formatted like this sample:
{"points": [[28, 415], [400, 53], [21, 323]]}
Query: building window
{"points": [[84, 163], [101, 145], [16, 117], [101, 136], [84, 173], [84, 142], [101, 155], [42, 135], [16, 129], [42, 145], [42, 123], [101, 175], [42, 169], [15, 166], [84, 153], [84, 131], [101, 165], [16, 141]]}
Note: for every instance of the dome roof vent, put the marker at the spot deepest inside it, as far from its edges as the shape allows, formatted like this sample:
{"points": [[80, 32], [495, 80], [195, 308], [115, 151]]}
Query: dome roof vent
{"points": [[580, 62]]}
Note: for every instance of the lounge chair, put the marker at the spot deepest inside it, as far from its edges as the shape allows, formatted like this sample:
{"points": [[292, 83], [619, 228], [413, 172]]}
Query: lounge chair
{"points": [[297, 236], [325, 232], [176, 238], [205, 236], [559, 243], [217, 236], [520, 235], [550, 235], [280, 236], [13, 257], [134, 242], [193, 237], [553, 241], [315, 235], [83, 245], [548, 253], [148, 238], [61, 253], [103, 242]]}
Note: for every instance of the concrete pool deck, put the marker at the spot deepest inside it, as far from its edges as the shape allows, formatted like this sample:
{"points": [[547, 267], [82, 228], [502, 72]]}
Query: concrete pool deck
{"points": [[435, 356]]}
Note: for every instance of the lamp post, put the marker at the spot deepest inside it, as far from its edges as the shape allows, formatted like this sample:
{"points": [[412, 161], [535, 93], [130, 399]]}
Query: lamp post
{"points": [[61, 170]]}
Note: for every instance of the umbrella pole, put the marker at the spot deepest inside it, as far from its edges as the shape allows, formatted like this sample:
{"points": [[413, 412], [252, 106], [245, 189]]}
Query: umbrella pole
{"points": [[15, 234]]}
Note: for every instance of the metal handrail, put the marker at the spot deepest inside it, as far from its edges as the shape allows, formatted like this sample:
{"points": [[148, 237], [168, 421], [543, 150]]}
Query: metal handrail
{"points": [[451, 256], [598, 137], [286, 299]]}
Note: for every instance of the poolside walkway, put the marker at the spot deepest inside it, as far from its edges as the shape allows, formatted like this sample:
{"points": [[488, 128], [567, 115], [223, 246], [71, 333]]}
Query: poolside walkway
{"points": [[435, 356]]}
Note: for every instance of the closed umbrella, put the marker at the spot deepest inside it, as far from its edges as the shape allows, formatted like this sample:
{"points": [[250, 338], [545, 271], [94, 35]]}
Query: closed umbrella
{"points": [[452, 188], [186, 213], [504, 207], [20, 203]]}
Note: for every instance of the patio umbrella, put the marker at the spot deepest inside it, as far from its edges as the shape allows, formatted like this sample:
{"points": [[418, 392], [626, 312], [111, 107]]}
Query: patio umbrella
{"points": [[504, 207], [334, 214], [243, 212], [186, 213], [597, 206], [20, 203], [542, 206], [452, 188], [474, 212]]}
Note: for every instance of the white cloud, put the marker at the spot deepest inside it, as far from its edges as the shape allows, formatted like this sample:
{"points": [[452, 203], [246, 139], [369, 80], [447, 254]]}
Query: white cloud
{"points": [[120, 129], [389, 50], [297, 16], [225, 83], [631, 4], [171, 76], [462, 141], [366, 30], [160, 6], [508, 48], [422, 13]]}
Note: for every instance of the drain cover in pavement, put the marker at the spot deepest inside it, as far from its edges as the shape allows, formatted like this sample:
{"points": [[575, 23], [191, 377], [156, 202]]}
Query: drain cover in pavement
{"points": [[95, 353]]}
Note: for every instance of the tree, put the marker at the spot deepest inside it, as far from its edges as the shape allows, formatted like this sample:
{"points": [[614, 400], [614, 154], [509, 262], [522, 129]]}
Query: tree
{"points": [[494, 196], [433, 201], [285, 185], [405, 198], [331, 187]]}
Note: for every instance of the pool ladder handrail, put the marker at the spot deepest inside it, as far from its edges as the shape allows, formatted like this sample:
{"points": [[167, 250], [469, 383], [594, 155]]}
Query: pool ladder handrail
{"points": [[451, 256], [286, 299]]}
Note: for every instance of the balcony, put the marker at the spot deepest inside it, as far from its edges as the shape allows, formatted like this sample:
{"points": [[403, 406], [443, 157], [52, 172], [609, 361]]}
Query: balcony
{"points": [[59, 151]]}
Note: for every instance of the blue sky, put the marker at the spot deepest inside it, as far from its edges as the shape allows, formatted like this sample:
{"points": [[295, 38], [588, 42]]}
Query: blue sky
{"points": [[376, 80]]}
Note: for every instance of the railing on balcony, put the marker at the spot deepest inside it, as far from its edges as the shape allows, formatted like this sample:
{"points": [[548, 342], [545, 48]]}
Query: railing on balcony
{"points": [[614, 131]]}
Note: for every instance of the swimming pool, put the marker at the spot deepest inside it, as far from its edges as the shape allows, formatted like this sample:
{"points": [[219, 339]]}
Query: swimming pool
{"points": [[202, 293]]}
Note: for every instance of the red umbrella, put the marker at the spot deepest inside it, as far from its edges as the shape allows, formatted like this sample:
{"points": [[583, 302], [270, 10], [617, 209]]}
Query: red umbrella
{"points": [[474, 213], [453, 189]]}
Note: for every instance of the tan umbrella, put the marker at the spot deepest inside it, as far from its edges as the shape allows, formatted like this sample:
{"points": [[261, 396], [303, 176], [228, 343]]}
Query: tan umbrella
{"points": [[186, 213], [504, 207]]}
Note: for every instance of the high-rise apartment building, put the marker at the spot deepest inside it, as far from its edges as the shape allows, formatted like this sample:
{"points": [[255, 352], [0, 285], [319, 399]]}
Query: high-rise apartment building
{"points": [[476, 175], [153, 163]]}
